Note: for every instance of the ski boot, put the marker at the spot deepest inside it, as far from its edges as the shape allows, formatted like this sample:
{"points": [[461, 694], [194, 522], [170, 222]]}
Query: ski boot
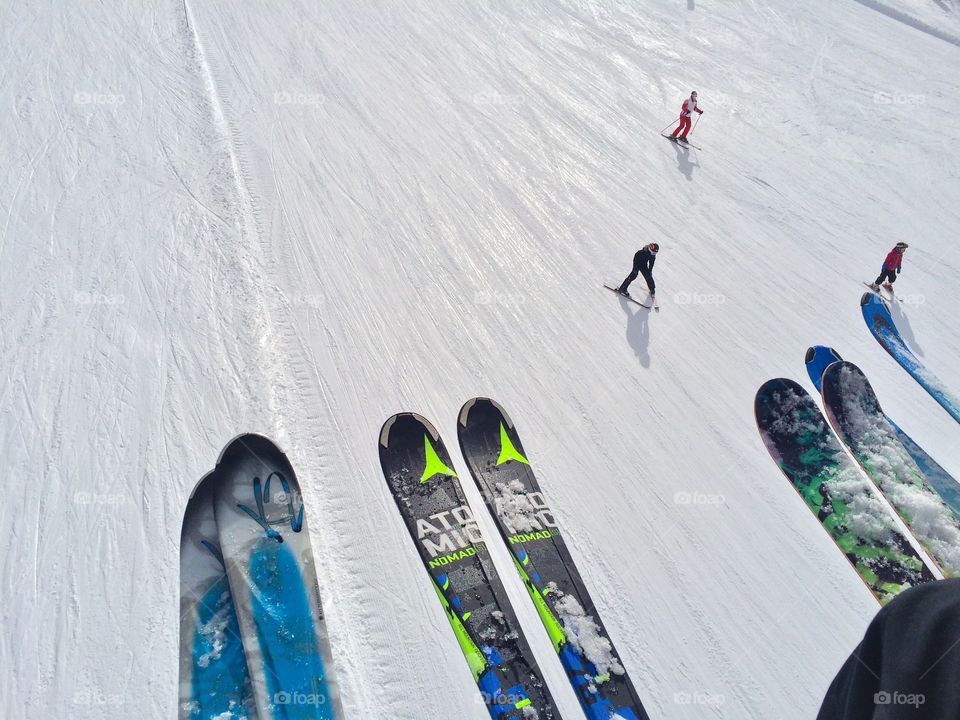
{"points": [[683, 140], [888, 287], [874, 287], [625, 293]]}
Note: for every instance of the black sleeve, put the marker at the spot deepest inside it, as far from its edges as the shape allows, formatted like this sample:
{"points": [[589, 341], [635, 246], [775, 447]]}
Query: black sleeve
{"points": [[908, 662]]}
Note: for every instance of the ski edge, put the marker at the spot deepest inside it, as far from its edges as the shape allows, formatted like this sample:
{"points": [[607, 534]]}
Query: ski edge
{"points": [[633, 300]]}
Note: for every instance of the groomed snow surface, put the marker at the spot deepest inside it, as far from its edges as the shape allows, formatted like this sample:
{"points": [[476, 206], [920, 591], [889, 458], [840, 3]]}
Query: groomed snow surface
{"points": [[298, 218]]}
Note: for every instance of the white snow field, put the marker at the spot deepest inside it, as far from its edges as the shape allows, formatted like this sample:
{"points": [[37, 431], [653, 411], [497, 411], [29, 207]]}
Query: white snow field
{"points": [[298, 218]]}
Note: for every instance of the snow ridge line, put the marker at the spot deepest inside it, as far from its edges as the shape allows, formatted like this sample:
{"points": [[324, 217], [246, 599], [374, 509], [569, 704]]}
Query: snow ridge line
{"points": [[292, 380], [249, 231], [219, 117], [913, 22]]}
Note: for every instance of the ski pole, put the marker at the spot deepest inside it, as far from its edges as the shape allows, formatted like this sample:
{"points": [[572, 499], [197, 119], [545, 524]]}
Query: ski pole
{"points": [[669, 126], [695, 124]]}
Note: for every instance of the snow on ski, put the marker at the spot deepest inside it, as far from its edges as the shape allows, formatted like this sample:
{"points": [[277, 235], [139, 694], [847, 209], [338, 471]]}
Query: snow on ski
{"points": [[880, 323], [864, 528], [854, 413], [214, 680], [253, 636], [627, 297], [492, 449], [820, 357], [428, 494]]}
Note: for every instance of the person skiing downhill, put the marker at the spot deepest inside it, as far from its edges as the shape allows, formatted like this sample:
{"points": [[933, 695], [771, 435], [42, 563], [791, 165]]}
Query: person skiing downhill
{"points": [[686, 112], [891, 268], [643, 262]]}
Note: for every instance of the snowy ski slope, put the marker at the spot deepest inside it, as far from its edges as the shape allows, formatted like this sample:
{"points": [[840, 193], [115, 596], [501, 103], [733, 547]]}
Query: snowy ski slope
{"points": [[298, 218]]}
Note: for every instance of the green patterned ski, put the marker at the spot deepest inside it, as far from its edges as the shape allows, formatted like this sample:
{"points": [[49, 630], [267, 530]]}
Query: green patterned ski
{"points": [[855, 414], [846, 504]]}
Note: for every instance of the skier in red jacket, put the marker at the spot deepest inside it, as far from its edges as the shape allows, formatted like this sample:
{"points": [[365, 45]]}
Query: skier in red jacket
{"points": [[689, 108], [891, 268]]}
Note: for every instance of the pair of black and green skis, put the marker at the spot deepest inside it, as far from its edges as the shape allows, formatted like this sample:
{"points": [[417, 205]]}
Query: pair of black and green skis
{"points": [[420, 475]]}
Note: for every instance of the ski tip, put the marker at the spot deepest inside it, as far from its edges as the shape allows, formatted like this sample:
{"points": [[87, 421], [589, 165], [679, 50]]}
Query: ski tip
{"points": [[405, 422], [483, 404], [817, 360], [779, 384], [775, 384], [853, 380], [777, 393], [385, 431], [465, 411], [249, 445], [820, 352], [846, 366], [205, 483]]}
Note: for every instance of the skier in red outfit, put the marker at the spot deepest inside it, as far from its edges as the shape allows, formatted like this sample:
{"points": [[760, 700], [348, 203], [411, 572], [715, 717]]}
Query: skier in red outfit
{"points": [[689, 108], [891, 268]]}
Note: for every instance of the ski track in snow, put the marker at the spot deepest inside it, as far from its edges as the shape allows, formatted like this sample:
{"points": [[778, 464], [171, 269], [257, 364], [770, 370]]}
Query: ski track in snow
{"points": [[914, 22], [299, 220]]}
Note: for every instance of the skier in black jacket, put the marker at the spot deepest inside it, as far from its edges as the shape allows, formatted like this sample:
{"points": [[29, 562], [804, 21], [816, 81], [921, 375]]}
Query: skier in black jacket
{"points": [[642, 265], [908, 663]]}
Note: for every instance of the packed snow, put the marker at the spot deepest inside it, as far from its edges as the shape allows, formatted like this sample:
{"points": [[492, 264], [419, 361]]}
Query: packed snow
{"points": [[584, 634], [518, 510], [300, 218]]}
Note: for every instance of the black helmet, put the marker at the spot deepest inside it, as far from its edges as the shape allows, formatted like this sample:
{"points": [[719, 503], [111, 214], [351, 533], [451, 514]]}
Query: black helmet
{"points": [[902, 245], [654, 248]]}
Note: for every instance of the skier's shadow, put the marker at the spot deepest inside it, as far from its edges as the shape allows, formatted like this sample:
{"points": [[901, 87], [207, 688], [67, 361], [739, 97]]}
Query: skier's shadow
{"points": [[683, 160], [903, 325], [638, 330]]}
